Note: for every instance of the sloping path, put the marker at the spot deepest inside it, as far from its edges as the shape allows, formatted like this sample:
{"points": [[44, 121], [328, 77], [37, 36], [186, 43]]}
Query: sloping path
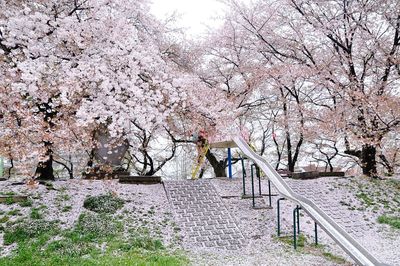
{"points": [[202, 215], [352, 222]]}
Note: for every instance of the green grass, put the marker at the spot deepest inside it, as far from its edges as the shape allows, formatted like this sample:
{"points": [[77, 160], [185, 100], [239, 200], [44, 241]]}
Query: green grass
{"points": [[394, 183], [14, 212], [103, 203], [92, 226], [377, 195], [365, 199], [63, 197], [393, 221], [9, 201], [96, 239], [35, 214], [145, 242], [23, 231], [8, 193], [26, 203], [304, 247], [301, 240], [334, 258], [4, 219], [32, 255], [66, 208]]}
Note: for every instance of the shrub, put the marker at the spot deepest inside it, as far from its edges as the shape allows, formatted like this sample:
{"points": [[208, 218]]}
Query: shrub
{"points": [[92, 226], [103, 203]]}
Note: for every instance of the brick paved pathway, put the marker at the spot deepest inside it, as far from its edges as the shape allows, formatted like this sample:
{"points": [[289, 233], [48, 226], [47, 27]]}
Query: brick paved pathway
{"points": [[202, 215]]}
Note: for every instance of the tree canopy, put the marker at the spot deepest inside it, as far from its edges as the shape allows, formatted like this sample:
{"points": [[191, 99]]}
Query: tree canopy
{"points": [[304, 77]]}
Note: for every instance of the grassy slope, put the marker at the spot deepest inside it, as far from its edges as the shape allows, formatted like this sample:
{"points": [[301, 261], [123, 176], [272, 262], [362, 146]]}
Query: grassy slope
{"points": [[96, 239]]}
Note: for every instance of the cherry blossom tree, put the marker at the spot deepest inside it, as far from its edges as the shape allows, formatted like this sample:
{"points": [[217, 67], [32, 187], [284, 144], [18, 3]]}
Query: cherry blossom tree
{"points": [[324, 74], [331, 59], [74, 68], [360, 65], [261, 67]]}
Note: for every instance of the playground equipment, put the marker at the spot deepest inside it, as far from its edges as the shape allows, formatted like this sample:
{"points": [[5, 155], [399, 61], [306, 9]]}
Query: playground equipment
{"points": [[200, 160], [202, 156], [226, 145], [340, 236]]}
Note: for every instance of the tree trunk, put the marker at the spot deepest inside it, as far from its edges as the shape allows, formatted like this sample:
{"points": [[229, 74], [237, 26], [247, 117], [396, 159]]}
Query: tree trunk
{"points": [[44, 170], [218, 166], [11, 167], [368, 160], [277, 150], [292, 158], [89, 163], [290, 163], [70, 169], [330, 166], [389, 167], [201, 173]]}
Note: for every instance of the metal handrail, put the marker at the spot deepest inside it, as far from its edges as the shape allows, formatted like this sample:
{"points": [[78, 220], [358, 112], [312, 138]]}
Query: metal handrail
{"points": [[338, 234]]}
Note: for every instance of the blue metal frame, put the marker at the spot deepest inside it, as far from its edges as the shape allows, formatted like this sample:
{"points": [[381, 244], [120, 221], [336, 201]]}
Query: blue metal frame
{"points": [[243, 175], [230, 162]]}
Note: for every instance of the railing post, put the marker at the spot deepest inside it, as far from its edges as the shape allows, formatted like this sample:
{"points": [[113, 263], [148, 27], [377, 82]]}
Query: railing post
{"points": [[298, 219], [244, 176], [279, 216], [252, 184], [316, 233], [269, 193], [294, 229], [259, 179], [296, 224]]}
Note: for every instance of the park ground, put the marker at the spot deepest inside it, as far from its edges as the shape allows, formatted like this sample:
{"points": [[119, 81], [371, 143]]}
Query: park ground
{"points": [[83, 222]]}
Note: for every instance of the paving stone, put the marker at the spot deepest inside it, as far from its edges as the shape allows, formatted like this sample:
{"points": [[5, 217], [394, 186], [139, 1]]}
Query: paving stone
{"points": [[213, 237], [234, 242], [194, 234], [229, 231], [201, 239], [223, 243], [226, 237], [205, 233], [200, 212], [220, 226], [352, 223], [210, 244]]}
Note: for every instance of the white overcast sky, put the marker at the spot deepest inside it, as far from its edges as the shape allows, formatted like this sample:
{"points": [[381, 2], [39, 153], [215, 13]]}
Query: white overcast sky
{"points": [[194, 14]]}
